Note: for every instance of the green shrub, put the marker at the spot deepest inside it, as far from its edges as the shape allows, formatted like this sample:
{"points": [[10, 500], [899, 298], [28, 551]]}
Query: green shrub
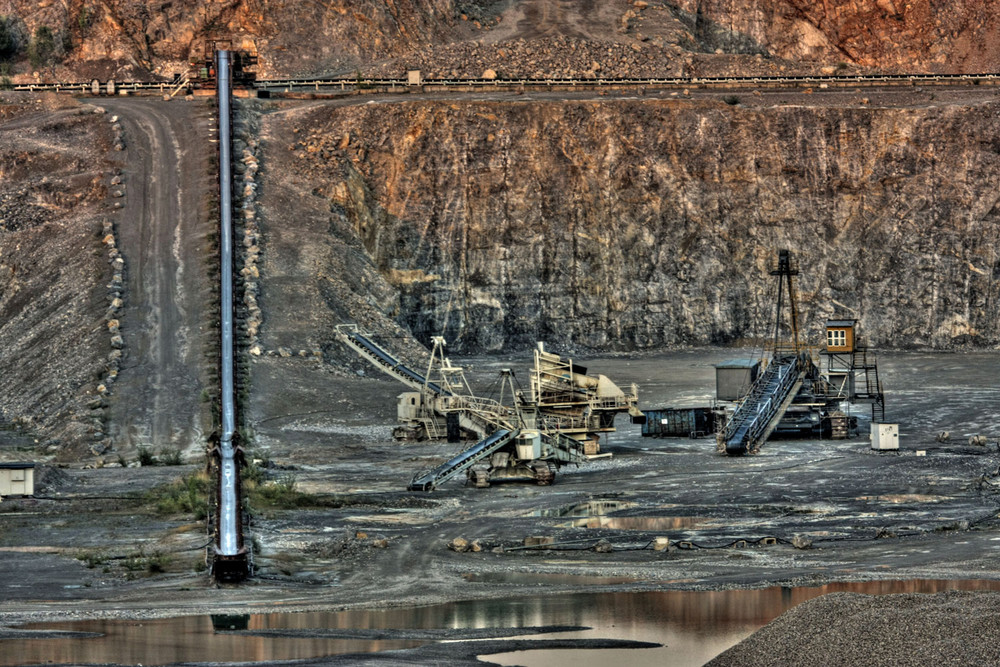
{"points": [[280, 494], [9, 43], [42, 47], [171, 457], [92, 558], [188, 495], [147, 458], [157, 562]]}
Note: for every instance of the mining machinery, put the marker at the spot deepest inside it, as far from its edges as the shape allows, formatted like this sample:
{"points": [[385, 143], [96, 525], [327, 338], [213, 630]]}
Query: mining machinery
{"points": [[523, 435], [202, 70], [793, 394]]}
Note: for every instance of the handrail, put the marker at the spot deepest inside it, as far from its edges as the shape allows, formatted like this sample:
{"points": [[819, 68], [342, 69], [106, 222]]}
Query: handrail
{"points": [[464, 460], [752, 418]]}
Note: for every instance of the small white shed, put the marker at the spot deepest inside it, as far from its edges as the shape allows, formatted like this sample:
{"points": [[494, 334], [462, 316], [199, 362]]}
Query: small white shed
{"points": [[17, 479], [885, 436]]}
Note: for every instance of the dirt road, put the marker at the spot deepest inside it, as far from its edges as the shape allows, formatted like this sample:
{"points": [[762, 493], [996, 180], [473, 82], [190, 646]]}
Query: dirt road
{"points": [[163, 229]]}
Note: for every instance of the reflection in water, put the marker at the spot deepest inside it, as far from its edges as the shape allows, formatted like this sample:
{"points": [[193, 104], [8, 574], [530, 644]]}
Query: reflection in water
{"points": [[693, 626], [587, 509], [552, 578], [229, 622], [594, 514], [637, 522]]}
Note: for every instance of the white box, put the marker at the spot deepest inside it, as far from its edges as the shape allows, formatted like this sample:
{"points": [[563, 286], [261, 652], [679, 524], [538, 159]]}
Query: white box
{"points": [[885, 436]]}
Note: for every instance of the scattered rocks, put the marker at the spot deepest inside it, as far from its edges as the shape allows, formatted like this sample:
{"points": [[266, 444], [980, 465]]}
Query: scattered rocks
{"points": [[246, 185], [115, 302], [459, 544], [603, 547], [801, 542]]}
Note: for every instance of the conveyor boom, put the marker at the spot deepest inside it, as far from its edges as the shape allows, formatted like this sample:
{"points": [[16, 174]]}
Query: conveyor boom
{"points": [[463, 461], [387, 363], [759, 413]]}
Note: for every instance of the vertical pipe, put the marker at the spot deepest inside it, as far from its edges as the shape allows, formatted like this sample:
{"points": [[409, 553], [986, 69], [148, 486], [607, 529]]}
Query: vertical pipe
{"points": [[229, 508]]}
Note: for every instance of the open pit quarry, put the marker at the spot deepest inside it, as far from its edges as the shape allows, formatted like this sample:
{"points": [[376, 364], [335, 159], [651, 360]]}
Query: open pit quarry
{"points": [[631, 228]]}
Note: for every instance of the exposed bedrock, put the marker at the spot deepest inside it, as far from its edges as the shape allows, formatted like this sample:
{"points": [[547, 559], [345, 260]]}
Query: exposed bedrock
{"points": [[893, 35], [637, 224]]}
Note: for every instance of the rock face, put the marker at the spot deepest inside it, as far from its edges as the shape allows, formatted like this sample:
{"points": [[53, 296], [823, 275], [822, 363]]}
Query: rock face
{"points": [[639, 224], [123, 37], [889, 34], [130, 38]]}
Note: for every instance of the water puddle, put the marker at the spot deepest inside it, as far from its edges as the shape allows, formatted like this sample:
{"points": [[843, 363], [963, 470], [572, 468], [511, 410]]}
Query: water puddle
{"points": [[692, 626], [652, 523], [594, 514], [898, 498], [545, 578], [399, 518], [590, 508]]}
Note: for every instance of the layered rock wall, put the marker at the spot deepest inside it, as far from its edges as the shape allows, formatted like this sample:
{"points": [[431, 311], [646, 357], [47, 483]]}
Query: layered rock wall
{"points": [[641, 224], [892, 35], [125, 38]]}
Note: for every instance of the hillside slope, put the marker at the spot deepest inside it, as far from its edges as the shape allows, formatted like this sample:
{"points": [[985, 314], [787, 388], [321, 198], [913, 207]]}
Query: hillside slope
{"points": [[135, 38]]}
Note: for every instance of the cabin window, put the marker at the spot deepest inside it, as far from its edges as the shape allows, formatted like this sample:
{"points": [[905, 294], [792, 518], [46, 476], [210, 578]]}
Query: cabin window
{"points": [[836, 338]]}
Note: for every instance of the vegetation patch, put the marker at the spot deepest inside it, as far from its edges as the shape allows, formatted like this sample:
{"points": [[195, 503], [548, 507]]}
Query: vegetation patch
{"points": [[279, 494], [167, 457], [188, 495]]}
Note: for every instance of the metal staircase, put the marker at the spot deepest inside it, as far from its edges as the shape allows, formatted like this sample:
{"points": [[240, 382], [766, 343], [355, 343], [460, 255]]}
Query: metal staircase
{"points": [[872, 392], [563, 448], [763, 407]]}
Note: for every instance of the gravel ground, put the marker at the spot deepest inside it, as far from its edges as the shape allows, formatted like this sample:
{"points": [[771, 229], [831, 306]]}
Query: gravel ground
{"points": [[954, 628]]}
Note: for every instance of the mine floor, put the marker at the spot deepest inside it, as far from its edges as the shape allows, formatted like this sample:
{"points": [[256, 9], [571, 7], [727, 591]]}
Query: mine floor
{"points": [[861, 515]]}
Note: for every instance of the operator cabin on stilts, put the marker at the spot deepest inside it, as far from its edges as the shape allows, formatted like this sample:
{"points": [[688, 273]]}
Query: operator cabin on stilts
{"points": [[793, 394]]}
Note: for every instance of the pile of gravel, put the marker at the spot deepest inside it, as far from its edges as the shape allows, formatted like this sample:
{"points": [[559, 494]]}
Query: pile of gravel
{"points": [[953, 628]]}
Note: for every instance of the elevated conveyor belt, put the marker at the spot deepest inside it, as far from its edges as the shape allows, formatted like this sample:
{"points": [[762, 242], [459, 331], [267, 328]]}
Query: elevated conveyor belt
{"points": [[387, 363], [231, 561], [465, 460], [759, 413]]}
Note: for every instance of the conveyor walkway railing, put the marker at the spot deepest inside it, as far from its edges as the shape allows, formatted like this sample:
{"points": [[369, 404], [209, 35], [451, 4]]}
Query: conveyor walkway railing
{"points": [[563, 448], [761, 410], [427, 481]]}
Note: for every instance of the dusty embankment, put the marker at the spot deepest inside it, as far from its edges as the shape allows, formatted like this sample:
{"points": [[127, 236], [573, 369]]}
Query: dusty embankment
{"points": [[57, 262], [638, 223]]}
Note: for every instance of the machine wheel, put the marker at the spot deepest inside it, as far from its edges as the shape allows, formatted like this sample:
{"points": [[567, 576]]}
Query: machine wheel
{"points": [[479, 478], [545, 474]]}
